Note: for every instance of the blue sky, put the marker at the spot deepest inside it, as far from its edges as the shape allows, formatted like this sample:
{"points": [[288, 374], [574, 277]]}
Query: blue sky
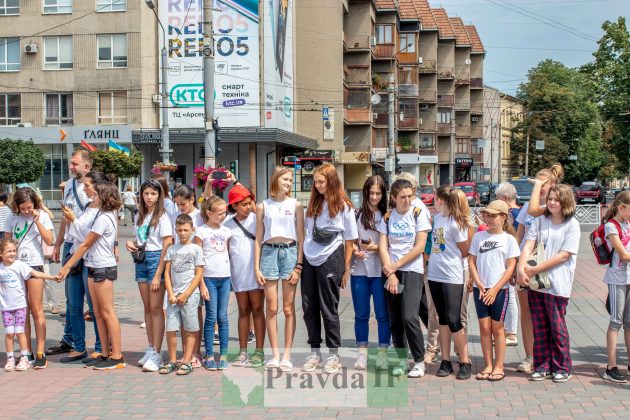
{"points": [[516, 41]]}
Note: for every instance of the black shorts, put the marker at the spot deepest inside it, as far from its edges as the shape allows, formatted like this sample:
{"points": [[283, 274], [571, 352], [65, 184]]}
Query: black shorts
{"points": [[39, 268], [497, 310], [101, 274]]}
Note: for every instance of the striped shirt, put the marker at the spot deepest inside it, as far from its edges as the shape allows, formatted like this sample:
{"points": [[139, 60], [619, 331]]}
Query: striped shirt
{"points": [[5, 212]]}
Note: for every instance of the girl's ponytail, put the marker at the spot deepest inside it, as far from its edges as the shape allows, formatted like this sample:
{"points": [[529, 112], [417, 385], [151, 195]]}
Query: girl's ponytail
{"points": [[508, 227], [622, 198]]}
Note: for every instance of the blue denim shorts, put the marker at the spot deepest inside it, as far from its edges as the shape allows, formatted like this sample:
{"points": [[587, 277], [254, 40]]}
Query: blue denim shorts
{"points": [[277, 263], [146, 269]]}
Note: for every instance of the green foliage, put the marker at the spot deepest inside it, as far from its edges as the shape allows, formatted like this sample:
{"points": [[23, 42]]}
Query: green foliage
{"points": [[22, 161], [117, 163]]}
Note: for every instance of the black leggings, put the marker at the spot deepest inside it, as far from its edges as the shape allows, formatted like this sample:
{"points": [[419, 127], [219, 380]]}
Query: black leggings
{"points": [[447, 299], [403, 315]]}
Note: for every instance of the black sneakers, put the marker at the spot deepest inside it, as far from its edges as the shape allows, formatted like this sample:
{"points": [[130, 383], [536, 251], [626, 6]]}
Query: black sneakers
{"points": [[614, 375], [40, 362], [465, 371], [109, 363], [93, 361], [445, 369]]}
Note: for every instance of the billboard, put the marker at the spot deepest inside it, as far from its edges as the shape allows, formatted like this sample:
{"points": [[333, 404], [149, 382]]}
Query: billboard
{"points": [[237, 68], [278, 64]]}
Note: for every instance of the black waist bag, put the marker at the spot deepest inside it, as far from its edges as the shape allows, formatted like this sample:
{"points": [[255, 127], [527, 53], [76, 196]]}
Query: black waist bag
{"points": [[140, 255], [322, 236]]}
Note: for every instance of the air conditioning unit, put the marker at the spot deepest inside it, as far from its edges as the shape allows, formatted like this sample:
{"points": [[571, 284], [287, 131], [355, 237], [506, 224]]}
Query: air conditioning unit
{"points": [[474, 119], [25, 125], [30, 48], [424, 107], [373, 41], [419, 60]]}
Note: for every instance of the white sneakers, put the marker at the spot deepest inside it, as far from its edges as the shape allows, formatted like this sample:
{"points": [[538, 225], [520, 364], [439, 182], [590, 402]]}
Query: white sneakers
{"points": [[153, 363], [147, 353], [526, 365], [417, 371]]}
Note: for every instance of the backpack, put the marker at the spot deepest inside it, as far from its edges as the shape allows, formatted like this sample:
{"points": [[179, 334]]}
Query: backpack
{"points": [[603, 254], [416, 213]]}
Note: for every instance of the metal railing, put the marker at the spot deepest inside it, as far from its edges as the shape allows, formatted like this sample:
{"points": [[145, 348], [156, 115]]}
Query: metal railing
{"points": [[356, 42]]}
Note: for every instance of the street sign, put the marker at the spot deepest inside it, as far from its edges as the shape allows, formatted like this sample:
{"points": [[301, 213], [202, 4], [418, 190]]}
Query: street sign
{"points": [[540, 145], [572, 157], [325, 113]]}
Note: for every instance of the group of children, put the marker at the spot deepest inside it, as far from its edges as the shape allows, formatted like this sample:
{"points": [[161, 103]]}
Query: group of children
{"points": [[190, 254]]}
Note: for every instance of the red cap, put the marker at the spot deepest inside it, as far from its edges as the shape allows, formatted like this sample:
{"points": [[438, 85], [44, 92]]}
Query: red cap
{"points": [[239, 193]]}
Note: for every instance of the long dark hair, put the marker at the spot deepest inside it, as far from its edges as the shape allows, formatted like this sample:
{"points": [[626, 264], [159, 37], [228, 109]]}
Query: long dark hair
{"points": [[158, 210], [367, 215], [23, 195]]}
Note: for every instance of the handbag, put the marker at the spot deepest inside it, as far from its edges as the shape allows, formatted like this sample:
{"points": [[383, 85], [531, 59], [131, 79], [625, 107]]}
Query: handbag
{"points": [[541, 280], [322, 236], [141, 250]]}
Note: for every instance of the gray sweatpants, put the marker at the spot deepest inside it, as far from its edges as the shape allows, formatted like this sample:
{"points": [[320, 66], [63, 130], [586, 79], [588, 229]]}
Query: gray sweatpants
{"points": [[619, 296]]}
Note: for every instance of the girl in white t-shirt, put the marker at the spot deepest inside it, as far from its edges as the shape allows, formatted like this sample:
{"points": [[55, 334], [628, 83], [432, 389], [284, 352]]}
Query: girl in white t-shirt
{"points": [[545, 179], [31, 227], [169, 204], [493, 254], [214, 240], [449, 248], [403, 235], [560, 233], [97, 251], [13, 275], [278, 259], [367, 279], [154, 233], [617, 278]]}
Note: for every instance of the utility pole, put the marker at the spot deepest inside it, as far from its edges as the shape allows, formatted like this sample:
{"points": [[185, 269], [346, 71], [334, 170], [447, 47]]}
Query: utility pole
{"points": [[527, 155], [208, 85], [491, 148], [390, 161], [499, 166], [451, 158]]}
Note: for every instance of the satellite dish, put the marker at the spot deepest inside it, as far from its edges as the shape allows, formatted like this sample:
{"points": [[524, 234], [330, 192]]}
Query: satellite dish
{"points": [[468, 61], [375, 99]]}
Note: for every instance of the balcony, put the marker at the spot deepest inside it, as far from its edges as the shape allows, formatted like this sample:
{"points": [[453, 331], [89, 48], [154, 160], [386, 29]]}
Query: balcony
{"points": [[380, 81], [427, 145], [463, 130], [476, 83], [444, 129], [356, 75], [380, 118], [406, 145], [428, 125], [462, 77], [445, 100], [356, 106], [357, 116], [446, 73], [384, 51], [407, 90], [462, 104], [356, 43], [427, 96], [427, 66], [408, 123]]}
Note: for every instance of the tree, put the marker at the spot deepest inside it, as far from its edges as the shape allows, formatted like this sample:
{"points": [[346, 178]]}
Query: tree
{"points": [[562, 113], [117, 163], [22, 161]]}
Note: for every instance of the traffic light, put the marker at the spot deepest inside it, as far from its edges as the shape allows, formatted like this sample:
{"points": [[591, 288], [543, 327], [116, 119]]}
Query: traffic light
{"points": [[234, 168], [217, 139], [398, 167]]}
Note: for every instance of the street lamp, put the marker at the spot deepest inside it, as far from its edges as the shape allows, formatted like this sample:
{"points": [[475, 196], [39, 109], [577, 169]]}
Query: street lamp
{"points": [[166, 144]]}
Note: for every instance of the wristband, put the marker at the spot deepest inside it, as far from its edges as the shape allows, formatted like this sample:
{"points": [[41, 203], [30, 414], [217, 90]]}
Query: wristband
{"points": [[299, 265], [115, 243], [235, 181]]}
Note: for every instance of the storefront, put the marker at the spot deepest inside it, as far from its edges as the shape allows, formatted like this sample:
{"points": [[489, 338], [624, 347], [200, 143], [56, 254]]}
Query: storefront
{"points": [[463, 169]]}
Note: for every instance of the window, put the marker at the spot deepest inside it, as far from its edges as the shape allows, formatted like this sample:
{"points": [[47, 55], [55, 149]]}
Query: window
{"points": [[58, 108], [112, 107], [57, 52], [408, 108], [9, 54], [112, 51], [357, 98], [477, 147], [9, 7], [444, 116], [380, 138], [384, 34], [408, 75], [57, 6], [407, 43], [111, 5], [10, 109], [463, 146]]}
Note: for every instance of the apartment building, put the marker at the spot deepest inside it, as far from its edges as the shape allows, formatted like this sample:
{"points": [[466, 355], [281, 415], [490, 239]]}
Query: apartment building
{"points": [[74, 70], [436, 63], [513, 112]]}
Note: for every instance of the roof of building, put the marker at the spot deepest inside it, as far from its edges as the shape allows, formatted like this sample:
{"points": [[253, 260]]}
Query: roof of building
{"points": [[461, 35], [385, 4], [477, 46], [444, 24], [424, 12], [407, 10]]}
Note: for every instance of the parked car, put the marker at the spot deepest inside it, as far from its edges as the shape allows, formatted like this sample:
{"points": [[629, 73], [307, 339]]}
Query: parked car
{"points": [[427, 194], [470, 189], [523, 189], [590, 192], [486, 192]]}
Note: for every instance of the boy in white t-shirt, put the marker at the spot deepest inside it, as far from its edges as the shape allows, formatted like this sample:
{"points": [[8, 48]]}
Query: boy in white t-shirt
{"points": [[182, 275]]}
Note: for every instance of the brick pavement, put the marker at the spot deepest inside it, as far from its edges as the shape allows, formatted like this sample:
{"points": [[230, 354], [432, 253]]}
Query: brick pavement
{"points": [[70, 391]]}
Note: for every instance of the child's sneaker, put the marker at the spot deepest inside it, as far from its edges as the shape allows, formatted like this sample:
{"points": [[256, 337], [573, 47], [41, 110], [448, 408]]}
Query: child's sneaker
{"points": [[614, 375], [312, 361], [210, 364], [153, 363], [241, 360], [110, 363], [465, 371], [10, 365], [95, 361], [23, 365], [223, 364], [445, 369], [147, 353], [562, 377], [540, 376], [40, 362], [417, 371], [251, 337], [526, 365]]}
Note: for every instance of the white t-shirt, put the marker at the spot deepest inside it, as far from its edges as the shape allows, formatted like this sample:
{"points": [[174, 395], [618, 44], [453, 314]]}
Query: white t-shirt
{"points": [[241, 252], [156, 234], [129, 198], [617, 272], [196, 219], [343, 222], [170, 207], [370, 266], [101, 253], [492, 252], [402, 236], [526, 220], [279, 219], [215, 250], [558, 237], [30, 251], [446, 264], [184, 260], [425, 214], [78, 230], [69, 200], [12, 287], [5, 214]]}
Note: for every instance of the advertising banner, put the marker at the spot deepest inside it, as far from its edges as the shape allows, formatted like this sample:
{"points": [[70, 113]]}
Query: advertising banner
{"points": [[236, 39], [278, 64]]}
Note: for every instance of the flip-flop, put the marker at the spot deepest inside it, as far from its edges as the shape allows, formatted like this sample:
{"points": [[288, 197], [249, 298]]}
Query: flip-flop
{"points": [[285, 366], [483, 376], [496, 377]]}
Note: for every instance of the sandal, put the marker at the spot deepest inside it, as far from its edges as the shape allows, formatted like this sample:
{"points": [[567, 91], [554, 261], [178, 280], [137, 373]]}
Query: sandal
{"points": [[167, 368], [272, 364], [483, 376], [496, 377], [285, 366], [257, 359], [60, 348], [185, 369], [196, 361]]}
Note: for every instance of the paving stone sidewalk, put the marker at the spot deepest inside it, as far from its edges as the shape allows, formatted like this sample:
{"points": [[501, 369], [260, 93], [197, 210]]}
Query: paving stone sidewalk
{"points": [[70, 391]]}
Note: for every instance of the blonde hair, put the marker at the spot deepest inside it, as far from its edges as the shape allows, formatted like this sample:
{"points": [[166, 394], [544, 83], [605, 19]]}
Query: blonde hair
{"points": [[208, 204], [457, 204], [408, 177], [274, 188], [553, 174]]}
